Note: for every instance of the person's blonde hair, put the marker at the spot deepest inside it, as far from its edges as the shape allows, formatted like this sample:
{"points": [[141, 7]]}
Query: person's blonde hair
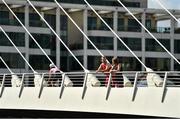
{"points": [[115, 60]]}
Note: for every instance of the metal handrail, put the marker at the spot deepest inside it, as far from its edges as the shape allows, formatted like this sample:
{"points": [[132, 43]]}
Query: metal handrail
{"points": [[80, 75], [118, 80]]}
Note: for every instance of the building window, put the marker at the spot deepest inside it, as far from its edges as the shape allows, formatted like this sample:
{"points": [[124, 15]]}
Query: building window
{"points": [[130, 64], [43, 39], [74, 65], [64, 62], [35, 21], [133, 25], [95, 61], [40, 62], [158, 64], [176, 66], [109, 21], [64, 22], [17, 38], [176, 46], [13, 60], [152, 45], [132, 4], [4, 17], [148, 24], [92, 23], [51, 19], [120, 24], [133, 43], [21, 17], [105, 43], [101, 2]]}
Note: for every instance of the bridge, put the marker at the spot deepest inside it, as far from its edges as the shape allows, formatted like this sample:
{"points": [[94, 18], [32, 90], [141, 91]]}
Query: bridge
{"points": [[137, 93]]}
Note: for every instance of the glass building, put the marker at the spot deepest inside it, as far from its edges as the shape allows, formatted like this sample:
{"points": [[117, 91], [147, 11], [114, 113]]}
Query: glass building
{"points": [[144, 46]]}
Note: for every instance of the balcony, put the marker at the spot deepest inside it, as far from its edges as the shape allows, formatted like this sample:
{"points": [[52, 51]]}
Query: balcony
{"points": [[160, 29]]}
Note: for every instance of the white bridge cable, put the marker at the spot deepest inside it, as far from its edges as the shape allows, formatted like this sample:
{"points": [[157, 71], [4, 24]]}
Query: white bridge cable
{"points": [[58, 36], [160, 3], [16, 48], [28, 32], [78, 28], [115, 34], [149, 32], [6, 65]]}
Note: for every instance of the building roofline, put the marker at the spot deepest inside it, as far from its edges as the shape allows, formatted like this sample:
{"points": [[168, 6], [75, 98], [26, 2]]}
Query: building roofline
{"points": [[96, 7]]}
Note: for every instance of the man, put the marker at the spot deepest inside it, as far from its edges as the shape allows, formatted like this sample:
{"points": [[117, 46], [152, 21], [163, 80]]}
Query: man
{"points": [[53, 76]]}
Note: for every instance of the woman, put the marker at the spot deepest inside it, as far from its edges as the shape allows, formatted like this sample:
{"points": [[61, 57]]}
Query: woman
{"points": [[116, 66], [104, 67]]}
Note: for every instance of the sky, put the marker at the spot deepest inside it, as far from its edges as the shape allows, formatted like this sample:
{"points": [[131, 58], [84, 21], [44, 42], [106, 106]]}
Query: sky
{"points": [[169, 4]]}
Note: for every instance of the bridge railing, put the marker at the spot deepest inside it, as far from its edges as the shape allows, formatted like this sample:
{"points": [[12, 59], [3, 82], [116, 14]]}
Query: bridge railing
{"points": [[93, 79]]}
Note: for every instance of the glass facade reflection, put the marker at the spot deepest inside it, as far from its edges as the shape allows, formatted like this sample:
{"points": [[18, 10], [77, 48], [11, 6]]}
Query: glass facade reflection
{"points": [[176, 66], [73, 64], [158, 64], [152, 45], [133, 25], [98, 2], [43, 39], [13, 60], [176, 46], [121, 26], [92, 23], [40, 62], [130, 64], [17, 38], [105, 43], [128, 29], [133, 43]]}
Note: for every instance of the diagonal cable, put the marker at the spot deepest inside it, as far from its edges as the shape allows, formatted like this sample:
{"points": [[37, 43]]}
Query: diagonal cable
{"points": [[149, 32], [160, 3], [6, 65], [58, 37], [115, 34], [78, 27], [27, 31], [16, 48]]}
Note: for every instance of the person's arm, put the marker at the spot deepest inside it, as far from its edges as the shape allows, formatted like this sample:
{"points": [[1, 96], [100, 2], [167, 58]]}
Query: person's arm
{"points": [[108, 68], [99, 68], [116, 70]]}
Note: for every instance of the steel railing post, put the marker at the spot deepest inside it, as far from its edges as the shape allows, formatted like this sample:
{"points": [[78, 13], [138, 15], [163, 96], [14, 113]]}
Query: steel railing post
{"points": [[84, 85], [21, 85], [164, 87], [41, 86], [62, 84], [109, 86], [2, 85], [135, 86]]}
